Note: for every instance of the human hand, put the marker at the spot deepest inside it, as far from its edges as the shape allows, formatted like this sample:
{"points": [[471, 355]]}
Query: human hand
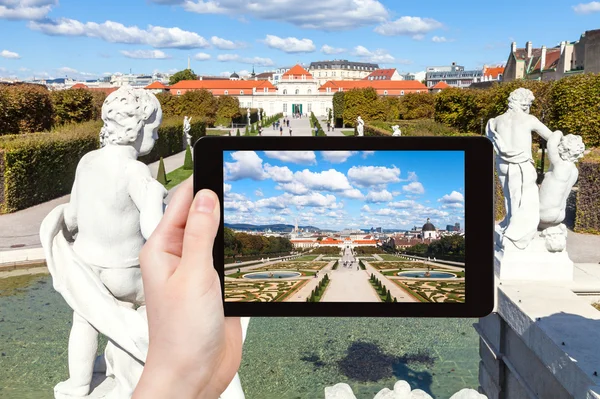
{"points": [[194, 350]]}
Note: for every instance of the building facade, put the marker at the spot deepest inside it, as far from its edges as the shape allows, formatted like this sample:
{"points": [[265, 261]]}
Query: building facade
{"points": [[324, 71], [384, 74], [454, 75]]}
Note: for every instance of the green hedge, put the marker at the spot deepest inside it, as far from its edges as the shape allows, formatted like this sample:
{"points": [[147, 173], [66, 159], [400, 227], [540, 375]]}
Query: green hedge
{"points": [[25, 108], [315, 122], [39, 167], [375, 131], [587, 217]]}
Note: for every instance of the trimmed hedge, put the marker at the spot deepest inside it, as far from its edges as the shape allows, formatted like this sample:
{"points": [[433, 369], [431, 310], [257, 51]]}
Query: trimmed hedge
{"points": [[39, 167], [587, 217], [315, 122], [25, 108], [73, 106]]}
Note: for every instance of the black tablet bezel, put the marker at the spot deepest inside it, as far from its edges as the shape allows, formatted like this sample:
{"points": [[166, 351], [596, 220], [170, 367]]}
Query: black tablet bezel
{"points": [[479, 221]]}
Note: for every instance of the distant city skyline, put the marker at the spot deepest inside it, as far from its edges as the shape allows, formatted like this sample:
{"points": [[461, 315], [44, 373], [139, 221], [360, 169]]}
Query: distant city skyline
{"points": [[84, 40], [337, 190]]}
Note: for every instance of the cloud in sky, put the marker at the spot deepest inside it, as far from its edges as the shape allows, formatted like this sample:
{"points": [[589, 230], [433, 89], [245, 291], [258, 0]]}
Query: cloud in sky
{"points": [[245, 60], [115, 32], [296, 157], [337, 156], [416, 27], [587, 8], [414, 188], [202, 57], [326, 49], [145, 54], [290, 44], [367, 176], [9, 54], [224, 44], [25, 9]]}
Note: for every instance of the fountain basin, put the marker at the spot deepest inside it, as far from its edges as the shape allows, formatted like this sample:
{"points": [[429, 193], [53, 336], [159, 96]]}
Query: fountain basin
{"points": [[272, 275], [421, 274]]}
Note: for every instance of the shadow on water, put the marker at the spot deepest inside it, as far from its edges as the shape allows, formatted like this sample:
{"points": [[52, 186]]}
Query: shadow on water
{"points": [[366, 362]]}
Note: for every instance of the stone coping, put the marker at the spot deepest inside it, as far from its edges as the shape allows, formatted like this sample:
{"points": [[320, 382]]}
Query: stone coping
{"points": [[559, 327]]}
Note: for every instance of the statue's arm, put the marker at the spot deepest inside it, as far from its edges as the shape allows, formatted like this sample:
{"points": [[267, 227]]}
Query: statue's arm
{"points": [[70, 213], [552, 147], [540, 128], [148, 195]]}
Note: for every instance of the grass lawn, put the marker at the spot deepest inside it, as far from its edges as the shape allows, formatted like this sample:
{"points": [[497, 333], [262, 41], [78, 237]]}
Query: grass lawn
{"points": [[348, 132], [216, 132], [390, 257], [305, 258], [177, 176]]}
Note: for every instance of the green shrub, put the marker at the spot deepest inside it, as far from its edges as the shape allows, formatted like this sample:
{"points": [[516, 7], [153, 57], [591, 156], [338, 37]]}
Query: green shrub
{"points": [[73, 106], [416, 106], [587, 218], [238, 132], [188, 164], [25, 108], [375, 131], [39, 167], [161, 175]]}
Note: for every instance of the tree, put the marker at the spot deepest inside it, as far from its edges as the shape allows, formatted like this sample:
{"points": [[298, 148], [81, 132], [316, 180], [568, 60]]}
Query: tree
{"points": [[238, 132], [161, 176], [188, 164], [388, 297], [228, 107], [186, 74], [73, 105], [198, 102], [247, 131]]}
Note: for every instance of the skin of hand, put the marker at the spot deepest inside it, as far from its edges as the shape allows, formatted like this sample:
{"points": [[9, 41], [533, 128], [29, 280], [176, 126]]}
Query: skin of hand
{"points": [[194, 351]]}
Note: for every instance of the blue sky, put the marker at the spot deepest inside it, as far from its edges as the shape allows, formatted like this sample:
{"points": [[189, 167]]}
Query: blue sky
{"points": [[89, 38], [345, 189]]}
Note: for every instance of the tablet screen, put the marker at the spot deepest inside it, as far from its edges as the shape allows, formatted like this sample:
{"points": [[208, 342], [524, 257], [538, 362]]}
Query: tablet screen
{"points": [[344, 226]]}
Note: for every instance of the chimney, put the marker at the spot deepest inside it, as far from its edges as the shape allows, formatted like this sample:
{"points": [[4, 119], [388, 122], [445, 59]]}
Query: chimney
{"points": [[528, 48], [513, 47], [543, 58], [563, 44]]}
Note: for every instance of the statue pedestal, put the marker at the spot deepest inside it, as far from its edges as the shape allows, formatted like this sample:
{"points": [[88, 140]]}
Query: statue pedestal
{"points": [[532, 263]]}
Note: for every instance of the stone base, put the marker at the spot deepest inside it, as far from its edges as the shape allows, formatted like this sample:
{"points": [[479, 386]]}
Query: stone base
{"points": [[533, 263]]}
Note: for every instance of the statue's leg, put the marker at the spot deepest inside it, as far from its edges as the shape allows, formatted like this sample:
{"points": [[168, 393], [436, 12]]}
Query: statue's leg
{"points": [[502, 170], [234, 389], [83, 345]]}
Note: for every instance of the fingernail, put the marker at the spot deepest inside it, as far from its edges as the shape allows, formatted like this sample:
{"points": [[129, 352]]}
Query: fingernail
{"points": [[205, 203]]}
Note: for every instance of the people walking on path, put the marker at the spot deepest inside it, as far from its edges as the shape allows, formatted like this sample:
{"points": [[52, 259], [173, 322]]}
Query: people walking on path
{"points": [[281, 130], [288, 123], [290, 131], [316, 130]]}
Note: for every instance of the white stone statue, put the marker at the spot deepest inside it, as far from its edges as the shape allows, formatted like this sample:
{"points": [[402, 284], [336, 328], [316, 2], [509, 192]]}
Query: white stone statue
{"points": [[402, 390], [186, 130], [92, 247], [260, 115], [360, 126], [248, 113], [397, 131], [511, 135]]}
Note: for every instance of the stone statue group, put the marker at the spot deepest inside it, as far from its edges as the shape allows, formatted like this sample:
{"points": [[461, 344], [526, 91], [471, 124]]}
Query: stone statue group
{"points": [[92, 244], [530, 208]]}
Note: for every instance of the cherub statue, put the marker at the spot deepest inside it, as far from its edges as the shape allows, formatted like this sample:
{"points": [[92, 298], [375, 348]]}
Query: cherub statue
{"points": [[186, 130], [397, 131], [360, 126], [563, 153], [511, 135]]}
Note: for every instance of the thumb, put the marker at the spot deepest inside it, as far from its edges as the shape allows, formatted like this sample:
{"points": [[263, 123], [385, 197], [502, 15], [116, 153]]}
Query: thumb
{"points": [[200, 231]]}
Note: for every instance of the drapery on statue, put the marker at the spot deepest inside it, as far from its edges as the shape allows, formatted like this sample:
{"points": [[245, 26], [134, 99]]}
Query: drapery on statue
{"points": [[186, 130], [360, 126], [510, 134], [92, 246], [397, 131]]}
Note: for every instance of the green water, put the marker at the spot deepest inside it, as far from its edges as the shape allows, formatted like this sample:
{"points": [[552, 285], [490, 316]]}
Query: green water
{"points": [[285, 358]]}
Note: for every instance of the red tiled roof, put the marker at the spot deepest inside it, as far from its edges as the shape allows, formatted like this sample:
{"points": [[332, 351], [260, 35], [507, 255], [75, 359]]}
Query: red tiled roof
{"points": [[79, 86], [552, 57], [365, 241], [301, 241], [222, 84], [106, 90], [441, 85], [377, 84], [493, 72], [297, 70], [155, 85], [386, 74]]}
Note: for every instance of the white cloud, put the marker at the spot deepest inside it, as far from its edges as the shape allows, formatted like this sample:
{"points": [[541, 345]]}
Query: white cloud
{"points": [[366, 176], [414, 188], [248, 165], [259, 193], [587, 8], [245, 60], [225, 44], [411, 176], [114, 32], [25, 9], [145, 54], [326, 49], [406, 204], [238, 206], [452, 198], [409, 26], [367, 153], [379, 196], [279, 174], [440, 39], [201, 57], [380, 56], [290, 44], [227, 57], [297, 157], [337, 156], [365, 208], [327, 180], [72, 72], [294, 188], [9, 54], [330, 15], [226, 188], [272, 203]]}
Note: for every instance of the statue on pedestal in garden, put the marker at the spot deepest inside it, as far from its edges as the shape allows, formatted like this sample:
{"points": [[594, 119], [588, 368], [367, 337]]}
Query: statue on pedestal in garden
{"points": [[360, 126], [186, 131], [248, 115], [92, 247], [397, 131]]}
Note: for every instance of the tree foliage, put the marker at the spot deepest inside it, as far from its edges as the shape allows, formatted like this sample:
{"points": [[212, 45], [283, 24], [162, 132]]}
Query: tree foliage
{"points": [[186, 74], [73, 106], [228, 107], [25, 108], [416, 106], [198, 102], [245, 244], [364, 103]]}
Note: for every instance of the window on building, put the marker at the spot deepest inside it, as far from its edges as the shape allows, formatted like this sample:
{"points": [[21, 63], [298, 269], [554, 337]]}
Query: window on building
{"points": [[226, 92], [297, 91], [418, 91], [329, 90], [284, 107], [340, 89], [303, 77], [309, 91], [266, 89], [309, 107], [401, 92], [178, 92], [241, 92], [284, 91], [325, 74], [333, 73], [385, 92]]}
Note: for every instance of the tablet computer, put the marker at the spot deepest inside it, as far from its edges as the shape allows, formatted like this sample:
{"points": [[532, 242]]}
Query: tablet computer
{"points": [[352, 226]]}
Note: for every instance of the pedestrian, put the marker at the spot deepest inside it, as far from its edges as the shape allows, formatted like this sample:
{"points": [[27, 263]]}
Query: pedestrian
{"points": [[260, 131], [328, 127], [290, 132], [281, 130], [274, 125], [316, 130], [288, 123]]}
